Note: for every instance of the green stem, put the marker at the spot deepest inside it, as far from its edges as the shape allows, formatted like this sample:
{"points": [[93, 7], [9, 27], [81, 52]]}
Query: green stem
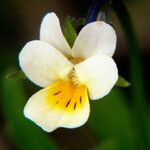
{"points": [[136, 71]]}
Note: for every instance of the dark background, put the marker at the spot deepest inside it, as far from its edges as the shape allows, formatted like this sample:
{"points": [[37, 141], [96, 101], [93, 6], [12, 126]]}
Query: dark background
{"points": [[19, 23]]}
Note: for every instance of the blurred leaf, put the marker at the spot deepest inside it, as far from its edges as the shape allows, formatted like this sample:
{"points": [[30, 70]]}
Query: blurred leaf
{"points": [[109, 144], [16, 75], [122, 82], [111, 119], [148, 126], [138, 90], [24, 133], [69, 31]]}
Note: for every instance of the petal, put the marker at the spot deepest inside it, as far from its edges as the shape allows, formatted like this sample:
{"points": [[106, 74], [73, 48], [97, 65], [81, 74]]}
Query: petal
{"points": [[58, 106], [43, 64], [50, 32], [78, 118], [99, 73], [95, 38]]}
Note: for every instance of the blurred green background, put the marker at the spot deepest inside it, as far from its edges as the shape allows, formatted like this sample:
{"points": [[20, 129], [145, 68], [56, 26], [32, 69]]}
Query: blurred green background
{"points": [[117, 122]]}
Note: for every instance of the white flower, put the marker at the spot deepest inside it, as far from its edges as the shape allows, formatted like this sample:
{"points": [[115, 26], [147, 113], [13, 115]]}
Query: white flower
{"points": [[70, 77]]}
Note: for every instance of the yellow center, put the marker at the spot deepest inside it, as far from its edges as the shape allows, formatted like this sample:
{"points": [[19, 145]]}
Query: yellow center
{"points": [[67, 96]]}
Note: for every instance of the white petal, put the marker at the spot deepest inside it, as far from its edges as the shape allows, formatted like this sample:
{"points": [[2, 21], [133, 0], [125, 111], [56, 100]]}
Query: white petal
{"points": [[38, 110], [95, 38], [43, 109], [76, 119], [43, 64], [99, 73], [51, 32]]}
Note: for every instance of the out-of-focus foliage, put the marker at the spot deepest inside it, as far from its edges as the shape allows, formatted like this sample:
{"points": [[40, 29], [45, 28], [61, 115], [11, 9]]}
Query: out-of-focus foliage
{"points": [[138, 90], [111, 121], [25, 135]]}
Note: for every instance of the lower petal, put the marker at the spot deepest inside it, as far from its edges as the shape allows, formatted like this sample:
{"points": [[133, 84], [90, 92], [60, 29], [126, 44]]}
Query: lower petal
{"points": [[59, 105]]}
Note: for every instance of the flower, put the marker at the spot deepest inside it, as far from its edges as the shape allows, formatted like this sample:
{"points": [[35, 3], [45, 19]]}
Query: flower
{"points": [[70, 77]]}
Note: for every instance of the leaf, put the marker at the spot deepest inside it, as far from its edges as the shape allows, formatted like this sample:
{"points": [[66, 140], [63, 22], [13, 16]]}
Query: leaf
{"points": [[16, 75], [69, 31], [122, 82], [23, 132]]}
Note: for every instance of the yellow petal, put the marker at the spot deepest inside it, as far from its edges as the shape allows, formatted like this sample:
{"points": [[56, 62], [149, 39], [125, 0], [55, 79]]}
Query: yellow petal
{"points": [[60, 105]]}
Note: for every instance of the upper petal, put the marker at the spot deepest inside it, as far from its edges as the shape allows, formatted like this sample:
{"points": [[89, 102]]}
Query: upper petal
{"points": [[95, 38], [43, 64], [51, 32], [99, 74]]}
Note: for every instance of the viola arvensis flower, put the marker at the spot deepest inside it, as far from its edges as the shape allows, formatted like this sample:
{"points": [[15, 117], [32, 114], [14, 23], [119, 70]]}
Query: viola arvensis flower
{"points": [[70, 77]]}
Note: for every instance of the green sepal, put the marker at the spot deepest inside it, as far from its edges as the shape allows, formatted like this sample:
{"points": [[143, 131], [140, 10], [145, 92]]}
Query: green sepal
{"points": [[69, 31], [16, 75], [122, 82]]}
